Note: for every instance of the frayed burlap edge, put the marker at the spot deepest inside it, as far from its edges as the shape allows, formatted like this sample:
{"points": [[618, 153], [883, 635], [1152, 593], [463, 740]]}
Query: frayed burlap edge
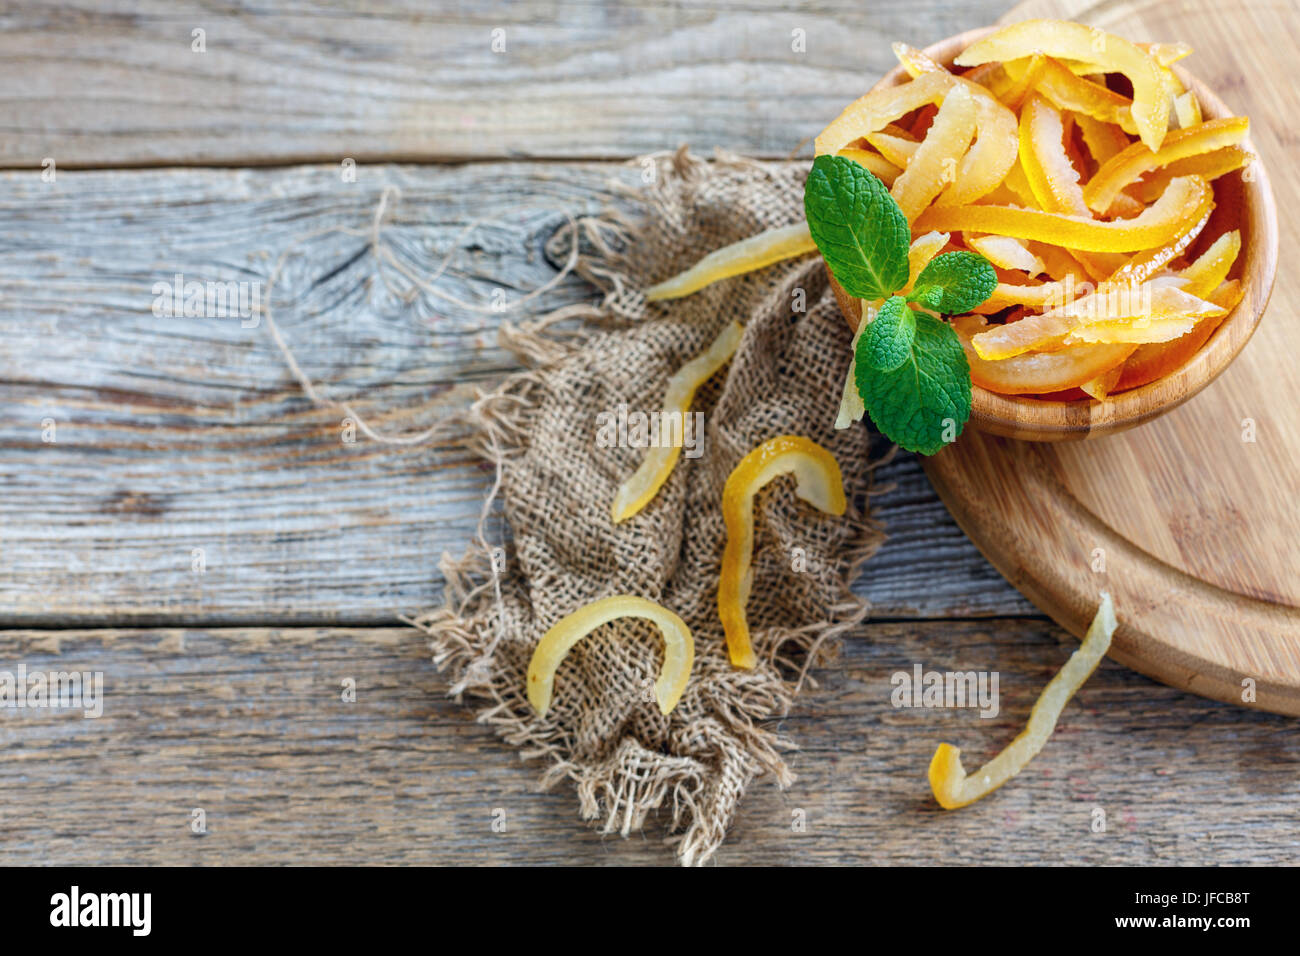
{"points": [[623, 791]]}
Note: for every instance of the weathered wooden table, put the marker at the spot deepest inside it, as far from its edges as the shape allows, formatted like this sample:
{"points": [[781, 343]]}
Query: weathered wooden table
{"points": [[174, 514]]}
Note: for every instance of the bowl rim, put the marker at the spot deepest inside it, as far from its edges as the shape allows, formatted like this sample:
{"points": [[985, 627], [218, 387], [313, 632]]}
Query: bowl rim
{"points": [[1038, 419]]}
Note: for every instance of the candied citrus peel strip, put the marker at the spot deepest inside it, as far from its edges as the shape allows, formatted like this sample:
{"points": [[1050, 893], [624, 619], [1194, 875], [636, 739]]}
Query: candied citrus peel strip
{"points": [[1041, 296], [1212, 266], [897, 150], [1014, 95], [1066, 90], [873, 111], [948, 779], [1101, 386], [934, 164], [1052, 177], [1125, 168], [638, 491], [767, 247], [1130, 333], [1208, 166], [1188, 110], [1062, 39], [875, 163], [1167, 54], [1102, 139], [1037, 373], [914, 61], [1006, 253], [920, 252], [1181, 206], [1139, 306], [986, 164], [1144, 265], [1154, 361], [983, 166], [679, 647], [817, 481], [852, 408]]}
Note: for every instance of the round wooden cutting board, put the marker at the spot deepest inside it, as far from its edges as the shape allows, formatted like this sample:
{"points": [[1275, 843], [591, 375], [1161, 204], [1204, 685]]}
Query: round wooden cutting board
{"points": [[1192, 521]]}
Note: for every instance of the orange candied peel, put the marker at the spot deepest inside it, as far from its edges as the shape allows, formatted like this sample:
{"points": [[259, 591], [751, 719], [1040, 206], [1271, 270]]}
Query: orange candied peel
{"points": [[1066, 90], [1211, 268], [1158, 359], [639, 489], [679, 647], [1031, 151], [817, 481], [877, 164], [933, 165], [747, 255], [979, 170], [1037, 373], [948, 780], [1183, 204], [1151, 303], [1111, 54], [1121, 170]]}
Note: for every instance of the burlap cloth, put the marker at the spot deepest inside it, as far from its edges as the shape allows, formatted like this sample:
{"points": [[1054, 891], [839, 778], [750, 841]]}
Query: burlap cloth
{"points": [[556, 482]]}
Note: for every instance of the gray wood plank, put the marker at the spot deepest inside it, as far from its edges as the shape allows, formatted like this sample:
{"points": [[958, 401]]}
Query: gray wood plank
{"points": [[119, 83], [249, 726], [177, 434]]}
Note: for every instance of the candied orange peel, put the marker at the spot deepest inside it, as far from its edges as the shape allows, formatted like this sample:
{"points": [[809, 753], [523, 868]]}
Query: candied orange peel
{"points": [[679, 647], [1031, 151], [747, 255], [1123, 169], [660, 460], [1107, 52], [948, 779], [1180, 208], [817, 481]]}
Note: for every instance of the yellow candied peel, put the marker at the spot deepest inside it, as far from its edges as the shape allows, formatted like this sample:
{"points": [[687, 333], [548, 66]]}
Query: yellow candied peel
{"points": [[1062, 178], [1151, 304], [639, 490], [767, 247], [817, 481], [1212, 266], [934, 164], [875, 163], [1006, 253], [852, 407], [948, 779], [1181, 206], [679, 647], [1073, 41]]}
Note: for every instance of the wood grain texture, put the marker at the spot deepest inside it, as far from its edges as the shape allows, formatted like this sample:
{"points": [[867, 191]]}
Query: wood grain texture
{"points": [[172, 434], [249, 726], [117, 83], [182, 433], [1193, 514]]}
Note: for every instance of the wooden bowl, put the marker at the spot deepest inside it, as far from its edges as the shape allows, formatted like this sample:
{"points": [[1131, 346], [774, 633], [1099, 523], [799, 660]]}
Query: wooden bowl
{"points": [[1239, 204]]}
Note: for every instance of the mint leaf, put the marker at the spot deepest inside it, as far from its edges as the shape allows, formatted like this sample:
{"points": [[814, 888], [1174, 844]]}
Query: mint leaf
{"points": [[923, 404], [955, 282], [887, 341], [931, 297], [861, 232]]}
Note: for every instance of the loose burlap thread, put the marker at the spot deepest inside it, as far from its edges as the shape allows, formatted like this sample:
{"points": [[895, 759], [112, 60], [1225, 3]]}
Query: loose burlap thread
{"points": [[555, 483]]}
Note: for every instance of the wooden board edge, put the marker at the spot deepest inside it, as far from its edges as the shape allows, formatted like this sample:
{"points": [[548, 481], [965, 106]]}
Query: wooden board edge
{"points": [[1142, 651]]}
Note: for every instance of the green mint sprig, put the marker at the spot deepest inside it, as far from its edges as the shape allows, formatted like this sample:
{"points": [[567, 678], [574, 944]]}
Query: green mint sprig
{"points": [[911, 370]]}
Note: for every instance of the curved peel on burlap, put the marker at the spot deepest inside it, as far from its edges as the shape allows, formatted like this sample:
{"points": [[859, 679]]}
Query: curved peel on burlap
{"points": [[603, 730]]}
